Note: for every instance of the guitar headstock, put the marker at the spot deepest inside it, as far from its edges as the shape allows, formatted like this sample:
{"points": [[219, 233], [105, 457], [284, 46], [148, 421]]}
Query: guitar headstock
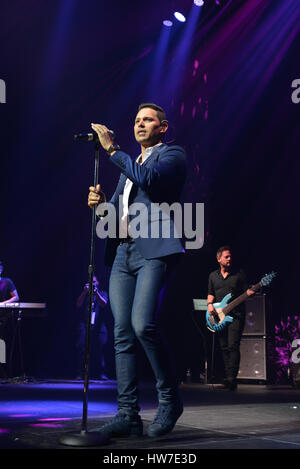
{"points": [[267, 279]]}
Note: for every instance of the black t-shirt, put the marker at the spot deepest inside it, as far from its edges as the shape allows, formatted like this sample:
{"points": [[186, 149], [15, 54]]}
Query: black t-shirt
{"points": [[6, 288], [235, 283]]}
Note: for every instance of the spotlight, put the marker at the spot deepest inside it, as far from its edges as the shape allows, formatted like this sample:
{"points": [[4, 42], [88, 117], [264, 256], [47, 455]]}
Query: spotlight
{"points": [[168, 23], [179, 16], [199, 3]]}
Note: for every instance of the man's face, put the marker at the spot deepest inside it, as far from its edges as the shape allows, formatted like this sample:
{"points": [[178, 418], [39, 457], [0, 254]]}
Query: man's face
{"points": [[147, 127], [95, 281], [225, 259]]}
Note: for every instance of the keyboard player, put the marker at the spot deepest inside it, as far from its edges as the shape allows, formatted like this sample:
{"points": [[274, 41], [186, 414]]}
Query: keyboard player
{"points": [[8, 291], [8, 294]]}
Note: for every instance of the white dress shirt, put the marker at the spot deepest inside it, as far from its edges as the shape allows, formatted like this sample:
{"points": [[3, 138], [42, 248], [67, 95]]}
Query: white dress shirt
{"points": [[128, 186]]}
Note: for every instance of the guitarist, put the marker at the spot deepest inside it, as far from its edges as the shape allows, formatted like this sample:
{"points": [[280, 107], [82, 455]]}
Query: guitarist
{"points": [[221, 282]]}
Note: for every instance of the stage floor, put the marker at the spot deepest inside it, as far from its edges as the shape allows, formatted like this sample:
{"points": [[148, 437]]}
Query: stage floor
{"points": [[34, 415]]}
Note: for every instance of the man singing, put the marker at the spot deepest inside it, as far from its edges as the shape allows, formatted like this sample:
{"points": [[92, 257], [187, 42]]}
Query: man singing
{"points": [[140, 266]]}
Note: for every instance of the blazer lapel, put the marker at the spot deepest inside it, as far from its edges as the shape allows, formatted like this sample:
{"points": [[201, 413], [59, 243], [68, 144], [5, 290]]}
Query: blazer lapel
{"points": [[155, 154], [122, 184]]}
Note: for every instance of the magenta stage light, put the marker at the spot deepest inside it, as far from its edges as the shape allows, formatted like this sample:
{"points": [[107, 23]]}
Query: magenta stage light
{"points": [[199, 3], [168, 23], [15, 416], [179, 16], [46, 425], [4, 430], [53, 419]]}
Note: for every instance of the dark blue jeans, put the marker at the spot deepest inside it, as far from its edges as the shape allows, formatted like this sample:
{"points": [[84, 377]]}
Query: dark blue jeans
{"points": [[135, 286]]}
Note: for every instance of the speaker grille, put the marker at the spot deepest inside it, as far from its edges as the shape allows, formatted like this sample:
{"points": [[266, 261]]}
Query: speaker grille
{"points": [[255, 323], [253, 358]]}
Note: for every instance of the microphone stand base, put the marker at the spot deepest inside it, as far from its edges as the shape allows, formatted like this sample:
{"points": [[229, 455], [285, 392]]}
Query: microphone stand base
{"points": [[84, 438]]}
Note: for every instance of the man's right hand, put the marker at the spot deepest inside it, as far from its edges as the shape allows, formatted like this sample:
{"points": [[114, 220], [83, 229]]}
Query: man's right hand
{"points": [[96, 196], [211, 309]]}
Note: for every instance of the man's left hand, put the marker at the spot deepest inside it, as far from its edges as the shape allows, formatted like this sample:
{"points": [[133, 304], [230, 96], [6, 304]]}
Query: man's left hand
{"points": [[104, 135], [250, 292]]}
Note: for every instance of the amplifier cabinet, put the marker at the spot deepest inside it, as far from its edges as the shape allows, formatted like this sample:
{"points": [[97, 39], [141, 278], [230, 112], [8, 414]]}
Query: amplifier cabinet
{"points": [[255, 318], [253, 358]]}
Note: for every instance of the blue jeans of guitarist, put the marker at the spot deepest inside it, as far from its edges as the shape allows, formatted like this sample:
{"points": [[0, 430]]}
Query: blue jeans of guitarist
{"points": [[135, 285]]}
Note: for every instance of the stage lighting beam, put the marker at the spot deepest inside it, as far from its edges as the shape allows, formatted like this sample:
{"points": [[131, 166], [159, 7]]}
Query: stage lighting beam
{"points": [[179, 16]]}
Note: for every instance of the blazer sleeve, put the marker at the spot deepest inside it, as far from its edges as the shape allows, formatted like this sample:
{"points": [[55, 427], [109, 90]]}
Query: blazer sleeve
{"points": [[170, 167]]}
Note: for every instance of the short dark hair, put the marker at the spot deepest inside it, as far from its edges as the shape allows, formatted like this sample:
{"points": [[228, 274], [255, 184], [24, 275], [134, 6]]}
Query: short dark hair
{"points": [[221, 249], [160, 112]]}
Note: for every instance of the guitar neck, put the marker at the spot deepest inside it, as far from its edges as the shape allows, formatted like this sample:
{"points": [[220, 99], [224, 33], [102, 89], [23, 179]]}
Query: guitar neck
{"points": [[240, 299]]}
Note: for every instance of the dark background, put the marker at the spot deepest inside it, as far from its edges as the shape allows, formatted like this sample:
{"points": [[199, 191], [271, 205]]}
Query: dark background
{"points": [[225, 82]]}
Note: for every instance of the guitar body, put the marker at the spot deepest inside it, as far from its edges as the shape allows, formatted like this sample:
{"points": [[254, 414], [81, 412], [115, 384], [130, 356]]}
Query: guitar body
{"points": [[218, 322]]}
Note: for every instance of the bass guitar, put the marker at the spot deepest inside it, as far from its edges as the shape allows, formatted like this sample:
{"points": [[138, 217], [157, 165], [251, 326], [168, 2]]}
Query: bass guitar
{"points": [[220, 319]]}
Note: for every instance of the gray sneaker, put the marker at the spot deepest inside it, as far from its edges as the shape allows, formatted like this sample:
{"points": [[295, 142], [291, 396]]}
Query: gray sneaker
{"points": [[165, 419], [122, 425]]}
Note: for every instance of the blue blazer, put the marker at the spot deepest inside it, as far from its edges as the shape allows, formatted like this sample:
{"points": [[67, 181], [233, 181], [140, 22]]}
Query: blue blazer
{"points": [[160, 179]]}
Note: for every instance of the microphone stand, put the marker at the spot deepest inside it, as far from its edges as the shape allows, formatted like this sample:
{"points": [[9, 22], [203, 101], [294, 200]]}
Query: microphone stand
{"points": [[85, 438]]}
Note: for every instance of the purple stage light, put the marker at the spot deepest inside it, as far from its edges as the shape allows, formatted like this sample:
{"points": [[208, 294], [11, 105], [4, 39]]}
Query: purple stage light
{"points": [[58, 409], [199, 3], [46, 425], [179, 16], [285, 333], [59, 419], [4, 430], [168, 23], [174, 78]]}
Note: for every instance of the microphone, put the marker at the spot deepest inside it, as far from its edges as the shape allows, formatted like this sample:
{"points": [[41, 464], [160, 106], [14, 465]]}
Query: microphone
{"points": [[91, 137]]}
